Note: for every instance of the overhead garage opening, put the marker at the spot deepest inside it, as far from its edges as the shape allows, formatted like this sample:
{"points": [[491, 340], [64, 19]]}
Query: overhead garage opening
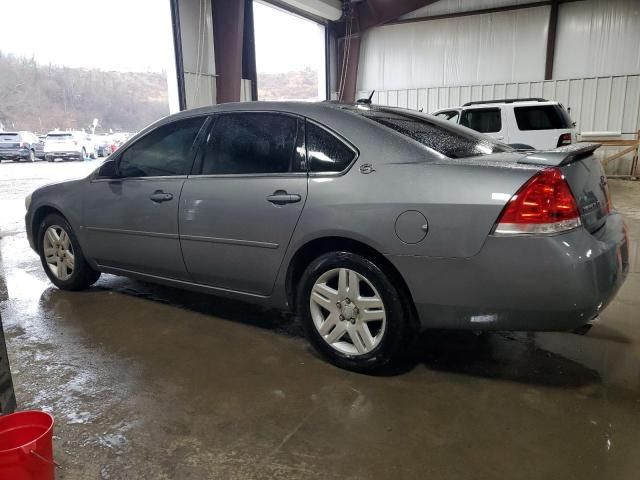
{"points": [[290, 55]]}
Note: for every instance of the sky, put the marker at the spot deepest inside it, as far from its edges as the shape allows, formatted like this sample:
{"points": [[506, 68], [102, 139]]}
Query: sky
{"points": [[286, 42], [123, 35], [135, 35]]}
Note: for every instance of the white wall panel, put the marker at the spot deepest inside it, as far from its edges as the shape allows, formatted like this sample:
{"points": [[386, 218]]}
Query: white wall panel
{"points": [[597, 38], [196, 28], [482, 48]]}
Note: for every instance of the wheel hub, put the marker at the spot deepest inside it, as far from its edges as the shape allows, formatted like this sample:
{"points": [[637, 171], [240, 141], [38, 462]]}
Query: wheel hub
{"points": [[349, 310]]}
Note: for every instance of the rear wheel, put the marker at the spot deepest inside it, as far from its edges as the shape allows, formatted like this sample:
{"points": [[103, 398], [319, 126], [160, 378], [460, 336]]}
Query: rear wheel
{"points": [[352, 313], [32, 156], [62, 257]]}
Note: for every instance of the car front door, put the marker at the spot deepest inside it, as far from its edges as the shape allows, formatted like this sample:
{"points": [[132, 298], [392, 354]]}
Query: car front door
{"points": [[131, 218], [240, 207]]}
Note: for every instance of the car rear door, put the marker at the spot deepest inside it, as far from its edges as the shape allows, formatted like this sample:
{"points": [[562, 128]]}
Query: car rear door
{"points": [[131, 220], [240, 206]]}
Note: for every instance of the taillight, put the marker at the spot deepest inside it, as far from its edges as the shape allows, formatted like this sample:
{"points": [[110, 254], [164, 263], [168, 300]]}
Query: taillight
{"points": [[543, 205], [24, 145], [564, 139]]}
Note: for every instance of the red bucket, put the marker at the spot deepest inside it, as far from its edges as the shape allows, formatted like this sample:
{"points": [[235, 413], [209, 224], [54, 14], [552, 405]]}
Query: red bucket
{"points": [[26, 446]]}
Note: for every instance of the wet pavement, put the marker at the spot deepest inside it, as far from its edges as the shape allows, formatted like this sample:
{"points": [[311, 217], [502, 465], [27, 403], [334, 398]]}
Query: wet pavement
{"points": [[157, 383]]}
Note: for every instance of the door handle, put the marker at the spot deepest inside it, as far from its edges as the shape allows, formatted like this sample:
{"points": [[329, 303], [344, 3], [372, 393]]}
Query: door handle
{"points": [[281, 197], [159, 196], [499, 137]]}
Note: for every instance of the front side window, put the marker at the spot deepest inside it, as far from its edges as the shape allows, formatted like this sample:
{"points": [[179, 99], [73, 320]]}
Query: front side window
{"points": [[439, 135], [326, 153], [252, 143], [542, 117], [486, 120], [163, 152]]}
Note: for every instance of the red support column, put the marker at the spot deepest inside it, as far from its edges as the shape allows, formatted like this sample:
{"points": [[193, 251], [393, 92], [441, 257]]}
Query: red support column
{"points": [[228, 35]]}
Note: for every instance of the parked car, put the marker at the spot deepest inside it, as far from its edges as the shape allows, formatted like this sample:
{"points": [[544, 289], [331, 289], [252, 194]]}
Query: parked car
{"points": [[40, 147], [104, 145], [370, 223], [18, 146], [528, 124], [72, 145]]}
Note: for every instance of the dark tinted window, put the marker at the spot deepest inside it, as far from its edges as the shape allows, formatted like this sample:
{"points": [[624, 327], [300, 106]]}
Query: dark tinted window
{"points": [[541, 117], [440, 135], [244, 143], [483, 121], [326, 152], [164, 151]]}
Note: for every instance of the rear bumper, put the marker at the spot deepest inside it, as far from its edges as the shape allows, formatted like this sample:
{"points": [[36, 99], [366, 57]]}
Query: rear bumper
{"points": [[14, 154], [63, 155], [539, 283]]}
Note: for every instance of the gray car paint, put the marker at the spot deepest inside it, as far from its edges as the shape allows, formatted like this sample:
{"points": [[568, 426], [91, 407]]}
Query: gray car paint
{"points": [[458, 276]]}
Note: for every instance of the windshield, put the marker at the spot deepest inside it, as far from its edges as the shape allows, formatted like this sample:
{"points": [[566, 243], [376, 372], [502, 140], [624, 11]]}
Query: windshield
{"points": [[444, 137]]}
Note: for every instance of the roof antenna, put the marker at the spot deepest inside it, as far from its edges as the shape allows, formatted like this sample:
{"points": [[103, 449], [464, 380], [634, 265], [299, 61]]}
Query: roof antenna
{"points": [[366, 101]]}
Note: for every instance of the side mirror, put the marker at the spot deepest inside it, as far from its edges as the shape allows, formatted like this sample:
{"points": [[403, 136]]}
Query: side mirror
{"points": [[108, 169]]}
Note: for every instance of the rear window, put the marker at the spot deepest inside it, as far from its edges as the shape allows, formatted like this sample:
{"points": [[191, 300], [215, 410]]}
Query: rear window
{"points": [[60, 136], [486, 120], [442, 136], [8, 137], [542, 117]]}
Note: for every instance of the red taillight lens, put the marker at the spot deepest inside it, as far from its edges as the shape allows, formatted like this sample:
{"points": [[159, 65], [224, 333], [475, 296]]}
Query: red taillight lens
{"points": [[24, 145], [543, 205], [564, 139]]}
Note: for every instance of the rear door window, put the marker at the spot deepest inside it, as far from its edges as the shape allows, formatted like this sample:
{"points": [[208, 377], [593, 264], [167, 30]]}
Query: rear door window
{"points": [[542, 117], [326, 153], [485, 120], [252, 143]]}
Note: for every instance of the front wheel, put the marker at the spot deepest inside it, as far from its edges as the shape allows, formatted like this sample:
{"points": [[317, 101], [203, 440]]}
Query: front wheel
{"points": [[352, 312], [62, 257], [32, 156]]}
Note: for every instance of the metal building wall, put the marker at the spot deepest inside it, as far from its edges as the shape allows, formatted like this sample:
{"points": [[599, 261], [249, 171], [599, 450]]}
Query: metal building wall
{"points": [[504, 46]]}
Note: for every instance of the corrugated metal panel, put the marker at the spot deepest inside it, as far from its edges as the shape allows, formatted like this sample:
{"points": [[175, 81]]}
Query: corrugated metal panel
{"points": [[596, 104]]}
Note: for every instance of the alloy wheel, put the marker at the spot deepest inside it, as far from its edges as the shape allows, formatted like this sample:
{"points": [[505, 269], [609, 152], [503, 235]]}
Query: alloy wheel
{"points": [[58, 252], [347, 311]]}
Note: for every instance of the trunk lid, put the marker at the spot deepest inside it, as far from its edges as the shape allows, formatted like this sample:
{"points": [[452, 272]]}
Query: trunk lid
{"points": [[585, 176], [9, 141], [60, 142]]}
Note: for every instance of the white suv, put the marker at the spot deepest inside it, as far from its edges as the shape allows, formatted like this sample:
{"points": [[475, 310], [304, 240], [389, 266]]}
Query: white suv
{"points": [[528, 123], [72, 145]]}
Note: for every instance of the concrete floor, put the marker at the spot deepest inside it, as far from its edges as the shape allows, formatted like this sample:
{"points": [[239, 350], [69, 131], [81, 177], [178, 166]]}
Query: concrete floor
{"points": [[155, 383]]}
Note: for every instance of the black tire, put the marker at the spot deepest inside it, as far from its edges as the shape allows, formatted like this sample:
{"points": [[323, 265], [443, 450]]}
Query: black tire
{"points": [[82, 276], [396, 332], [32, 156]]}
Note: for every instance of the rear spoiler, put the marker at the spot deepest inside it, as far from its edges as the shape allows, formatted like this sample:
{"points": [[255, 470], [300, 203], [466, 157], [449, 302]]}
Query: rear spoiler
{"points": [[561, 155]]}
